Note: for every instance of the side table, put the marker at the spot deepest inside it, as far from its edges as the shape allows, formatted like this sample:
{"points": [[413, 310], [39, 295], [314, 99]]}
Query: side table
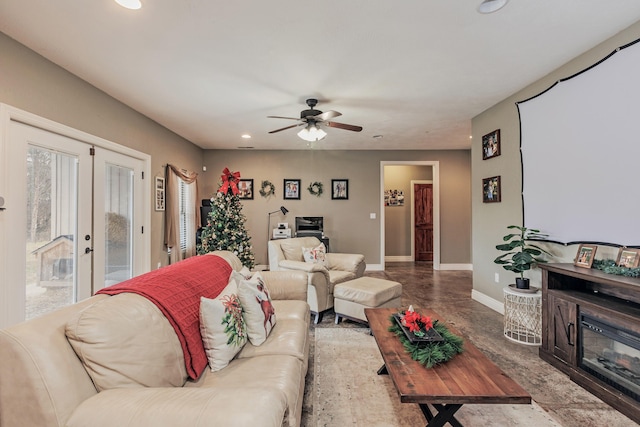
{"points": [[523, 316]]}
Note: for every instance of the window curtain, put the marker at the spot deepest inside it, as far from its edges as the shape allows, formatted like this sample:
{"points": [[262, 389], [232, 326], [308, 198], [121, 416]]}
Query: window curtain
{"points": [[172, 214]]}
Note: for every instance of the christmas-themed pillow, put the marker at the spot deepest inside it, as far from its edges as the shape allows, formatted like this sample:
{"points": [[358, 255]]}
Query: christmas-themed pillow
{"points": [[315, 255], [222, 326], [258, 310]]}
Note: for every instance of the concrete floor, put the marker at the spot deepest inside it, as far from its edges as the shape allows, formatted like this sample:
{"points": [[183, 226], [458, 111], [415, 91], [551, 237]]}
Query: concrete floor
{"points": [[449, 293]]}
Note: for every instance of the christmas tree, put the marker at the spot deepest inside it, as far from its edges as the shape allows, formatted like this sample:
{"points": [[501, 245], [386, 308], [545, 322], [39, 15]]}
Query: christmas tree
{"points": [[225, 230]]}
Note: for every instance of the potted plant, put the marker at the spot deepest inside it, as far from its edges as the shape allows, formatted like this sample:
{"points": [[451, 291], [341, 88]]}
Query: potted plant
{"points": [[520, 255]]}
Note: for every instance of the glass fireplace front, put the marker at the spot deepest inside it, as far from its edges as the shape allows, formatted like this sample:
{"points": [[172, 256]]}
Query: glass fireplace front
{"points": [[611, 353]]}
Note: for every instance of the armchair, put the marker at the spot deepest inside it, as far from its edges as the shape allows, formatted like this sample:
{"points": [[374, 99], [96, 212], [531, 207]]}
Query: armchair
{"points": [[286, 254]]}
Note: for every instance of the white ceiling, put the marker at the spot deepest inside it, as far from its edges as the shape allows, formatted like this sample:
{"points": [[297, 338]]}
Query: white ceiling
{"points": [[413, 71]]}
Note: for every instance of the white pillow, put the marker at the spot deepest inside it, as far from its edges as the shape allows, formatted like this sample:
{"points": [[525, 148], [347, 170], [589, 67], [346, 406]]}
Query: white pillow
{"points": [[222, 326], [258, 310], [246, 273], [315, 255]]}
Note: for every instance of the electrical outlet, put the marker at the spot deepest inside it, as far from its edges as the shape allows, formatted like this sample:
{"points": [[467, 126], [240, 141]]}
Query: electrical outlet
{"points": [[372, 215], [497, 278]]}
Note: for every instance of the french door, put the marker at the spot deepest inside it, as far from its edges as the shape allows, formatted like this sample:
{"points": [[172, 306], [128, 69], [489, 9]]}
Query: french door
{"points": [[74, 223]]}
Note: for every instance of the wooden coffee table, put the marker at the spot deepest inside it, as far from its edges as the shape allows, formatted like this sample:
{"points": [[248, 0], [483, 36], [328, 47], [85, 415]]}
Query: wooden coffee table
{"points": [[470, 377]]}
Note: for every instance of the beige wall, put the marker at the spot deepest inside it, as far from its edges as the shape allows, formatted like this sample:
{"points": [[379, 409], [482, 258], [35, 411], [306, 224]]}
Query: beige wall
{"points": [[32, 83], [398, 218], [347, 222], [490, 219]]}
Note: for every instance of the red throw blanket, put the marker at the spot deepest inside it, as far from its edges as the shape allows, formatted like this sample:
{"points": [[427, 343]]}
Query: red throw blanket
{"points": [[176, 290]]}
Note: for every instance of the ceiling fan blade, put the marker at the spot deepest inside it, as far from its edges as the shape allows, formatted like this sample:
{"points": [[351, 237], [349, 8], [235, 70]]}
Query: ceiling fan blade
{"points": [[344, 126], [280, 117], [327, 115], [288, 127]]}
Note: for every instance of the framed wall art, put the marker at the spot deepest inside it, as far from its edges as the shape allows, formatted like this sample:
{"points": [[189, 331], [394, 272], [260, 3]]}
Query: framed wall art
{"points": [[245, 189], [340, 189], [586, 254], [628, 258], [491, 190], [491, 145], [292, 189], [160, 193]]}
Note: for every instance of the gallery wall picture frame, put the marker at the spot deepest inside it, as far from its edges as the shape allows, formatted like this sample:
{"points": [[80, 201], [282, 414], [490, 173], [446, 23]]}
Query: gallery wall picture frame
{"points": [[627, 257], [160, 189], [491, 190], [245, 189], [586, 254], [339, 189], [491, 145], [291, 189]]}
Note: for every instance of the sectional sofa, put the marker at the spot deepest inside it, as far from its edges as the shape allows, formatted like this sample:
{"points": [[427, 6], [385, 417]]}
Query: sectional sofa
{"points": [[118, 360]]}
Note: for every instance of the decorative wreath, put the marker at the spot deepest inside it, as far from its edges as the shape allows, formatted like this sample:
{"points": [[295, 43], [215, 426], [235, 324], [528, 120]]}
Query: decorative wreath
{"points": [[432, 353], [315, 188], [267, 189]]}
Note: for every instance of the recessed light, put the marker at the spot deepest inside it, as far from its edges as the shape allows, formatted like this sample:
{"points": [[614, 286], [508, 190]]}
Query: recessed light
{"points": [[130, 4], [490, 6], [246, 136]]}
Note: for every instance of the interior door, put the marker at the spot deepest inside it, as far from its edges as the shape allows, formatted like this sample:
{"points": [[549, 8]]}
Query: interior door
{"points": [[423, 221]]}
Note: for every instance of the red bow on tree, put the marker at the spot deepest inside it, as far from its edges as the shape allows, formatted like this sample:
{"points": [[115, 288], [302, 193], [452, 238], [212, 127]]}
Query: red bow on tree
{"points": [[229, 180]]}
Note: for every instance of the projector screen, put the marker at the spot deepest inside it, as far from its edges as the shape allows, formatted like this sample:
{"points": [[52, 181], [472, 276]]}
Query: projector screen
{"points": [[580, 148]]}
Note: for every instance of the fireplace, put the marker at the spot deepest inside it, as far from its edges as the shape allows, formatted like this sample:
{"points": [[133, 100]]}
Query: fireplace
{"points": [[611, 354]]}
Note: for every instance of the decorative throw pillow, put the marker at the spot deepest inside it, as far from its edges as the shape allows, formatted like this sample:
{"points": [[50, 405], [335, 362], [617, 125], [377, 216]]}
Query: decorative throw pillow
{"points": [[246, 273], [315, 255], [222, 326], [258, 310]]}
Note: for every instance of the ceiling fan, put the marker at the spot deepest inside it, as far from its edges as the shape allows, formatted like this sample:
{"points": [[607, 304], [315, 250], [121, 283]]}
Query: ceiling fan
{"points": [[311, 119]]}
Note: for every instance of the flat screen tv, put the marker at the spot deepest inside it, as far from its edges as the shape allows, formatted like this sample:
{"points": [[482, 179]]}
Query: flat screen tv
{"points": [[309, 225]]}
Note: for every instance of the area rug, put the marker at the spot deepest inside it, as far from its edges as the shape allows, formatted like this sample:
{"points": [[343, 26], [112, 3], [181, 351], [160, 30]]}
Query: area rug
{"points": [[348, 391]]}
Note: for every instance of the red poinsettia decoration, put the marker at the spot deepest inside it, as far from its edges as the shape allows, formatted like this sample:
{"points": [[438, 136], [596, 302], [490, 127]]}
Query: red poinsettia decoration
{"points": [[417, 323], [229, 180]]}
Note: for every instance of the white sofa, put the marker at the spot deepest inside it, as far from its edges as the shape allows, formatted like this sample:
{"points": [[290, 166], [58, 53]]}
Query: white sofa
{"points": [[43, 382], [287, 255]]}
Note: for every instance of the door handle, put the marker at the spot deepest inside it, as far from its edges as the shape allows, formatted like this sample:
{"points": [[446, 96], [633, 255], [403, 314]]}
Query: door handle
{"points": [[87, 250]]}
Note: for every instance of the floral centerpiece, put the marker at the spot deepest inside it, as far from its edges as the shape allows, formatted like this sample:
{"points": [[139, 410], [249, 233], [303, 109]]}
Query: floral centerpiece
{"points": [[429, 342]]}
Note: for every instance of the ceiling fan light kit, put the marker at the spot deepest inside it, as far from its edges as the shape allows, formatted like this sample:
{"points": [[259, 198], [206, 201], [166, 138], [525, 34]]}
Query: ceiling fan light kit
{"points": [[490, 6], [311, 133], [311, 118]]}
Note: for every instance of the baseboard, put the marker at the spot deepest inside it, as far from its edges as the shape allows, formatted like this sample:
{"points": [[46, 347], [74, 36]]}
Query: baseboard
{"points": [[400, 258], [483, 299], [456, 267], [374, 267]]}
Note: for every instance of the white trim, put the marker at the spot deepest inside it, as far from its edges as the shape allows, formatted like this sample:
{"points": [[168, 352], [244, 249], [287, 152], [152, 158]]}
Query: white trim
{"points": [[401, 258], [435, 165], [374, 267], [468, 267], [483, 299]]}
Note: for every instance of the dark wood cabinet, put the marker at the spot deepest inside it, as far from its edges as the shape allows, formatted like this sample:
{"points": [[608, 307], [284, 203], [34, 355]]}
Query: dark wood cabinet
{"points": [[562, 334], [574, 299]]}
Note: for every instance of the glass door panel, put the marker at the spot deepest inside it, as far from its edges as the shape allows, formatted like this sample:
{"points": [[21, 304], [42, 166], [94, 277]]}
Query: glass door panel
{"points": [[50, 230], [118, 192]]}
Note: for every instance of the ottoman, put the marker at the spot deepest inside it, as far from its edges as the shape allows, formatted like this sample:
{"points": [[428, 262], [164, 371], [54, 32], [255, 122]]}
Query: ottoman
{"points": [[352, 297]]}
